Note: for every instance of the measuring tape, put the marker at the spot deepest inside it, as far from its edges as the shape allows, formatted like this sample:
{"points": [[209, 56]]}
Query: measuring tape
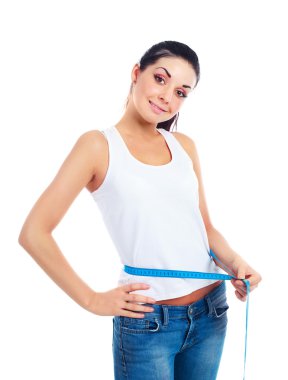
{"points": [[197, 275]]}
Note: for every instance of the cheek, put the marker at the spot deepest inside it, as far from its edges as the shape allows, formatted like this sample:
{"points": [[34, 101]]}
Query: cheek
{"points": [[175, 105], [178, 102], [148, 89], [143, 92]]}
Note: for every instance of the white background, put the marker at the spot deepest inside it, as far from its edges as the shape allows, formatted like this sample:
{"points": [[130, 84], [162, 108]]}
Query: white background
{"points": [[65, 69]]}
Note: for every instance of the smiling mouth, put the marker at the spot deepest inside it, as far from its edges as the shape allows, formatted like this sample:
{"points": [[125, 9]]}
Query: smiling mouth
{"points": [[155, 105]]}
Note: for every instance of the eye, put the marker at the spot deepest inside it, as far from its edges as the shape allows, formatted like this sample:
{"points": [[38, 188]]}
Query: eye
{"points": [[182, 94], [158, 78]]}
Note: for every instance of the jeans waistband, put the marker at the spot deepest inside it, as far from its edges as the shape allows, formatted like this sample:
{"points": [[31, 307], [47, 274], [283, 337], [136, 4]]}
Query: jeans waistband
{"points": [[182, 311]]}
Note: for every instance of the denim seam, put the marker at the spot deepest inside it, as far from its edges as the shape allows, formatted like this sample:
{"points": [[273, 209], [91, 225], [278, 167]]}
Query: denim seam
{"points": [[122, 351], [146, 324], [191, 332]]}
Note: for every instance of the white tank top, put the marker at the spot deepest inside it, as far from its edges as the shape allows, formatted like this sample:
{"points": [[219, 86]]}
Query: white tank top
{"points": [[153, 218]]}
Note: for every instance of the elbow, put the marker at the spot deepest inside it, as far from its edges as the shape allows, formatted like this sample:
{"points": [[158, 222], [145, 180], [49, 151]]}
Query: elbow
{"points": [[22, 237], [25, 237], [29, 236]]}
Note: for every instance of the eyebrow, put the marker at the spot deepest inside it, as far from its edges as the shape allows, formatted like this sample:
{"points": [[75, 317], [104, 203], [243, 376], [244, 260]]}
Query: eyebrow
{"points": [[169, 75]]}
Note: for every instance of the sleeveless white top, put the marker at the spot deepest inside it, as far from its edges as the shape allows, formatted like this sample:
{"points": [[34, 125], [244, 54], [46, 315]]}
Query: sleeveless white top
{"points": [[153, 218]]}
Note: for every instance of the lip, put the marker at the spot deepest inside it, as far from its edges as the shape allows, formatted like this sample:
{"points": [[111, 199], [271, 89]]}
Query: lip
{"points": [[157, 108]]}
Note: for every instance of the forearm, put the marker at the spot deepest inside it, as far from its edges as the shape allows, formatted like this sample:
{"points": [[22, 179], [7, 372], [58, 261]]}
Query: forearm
{"points": [[222, 249], [44, 250]]}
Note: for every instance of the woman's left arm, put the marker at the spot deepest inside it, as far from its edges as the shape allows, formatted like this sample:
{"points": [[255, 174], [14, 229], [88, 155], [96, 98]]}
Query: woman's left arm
{"points": [[218, 244], [234, 262]]}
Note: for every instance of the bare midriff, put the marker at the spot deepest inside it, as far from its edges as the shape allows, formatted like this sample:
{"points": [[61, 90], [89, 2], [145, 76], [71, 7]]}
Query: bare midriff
{"points": [[191, 297]]}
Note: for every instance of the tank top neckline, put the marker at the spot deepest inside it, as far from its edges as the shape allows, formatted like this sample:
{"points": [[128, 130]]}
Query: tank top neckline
{"points": [[161, 131]]}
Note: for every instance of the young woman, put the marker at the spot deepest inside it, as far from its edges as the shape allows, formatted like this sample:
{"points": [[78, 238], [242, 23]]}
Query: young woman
{"points": [[147, 183]]}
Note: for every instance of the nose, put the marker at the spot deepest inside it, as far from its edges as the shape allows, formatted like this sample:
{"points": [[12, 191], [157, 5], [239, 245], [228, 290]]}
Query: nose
{"points": [[166, 96]]}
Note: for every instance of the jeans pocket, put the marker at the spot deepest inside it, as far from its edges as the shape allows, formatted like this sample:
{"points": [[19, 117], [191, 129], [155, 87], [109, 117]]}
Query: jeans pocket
{"points": [[139, 325], [219, 307], [220, 311]]}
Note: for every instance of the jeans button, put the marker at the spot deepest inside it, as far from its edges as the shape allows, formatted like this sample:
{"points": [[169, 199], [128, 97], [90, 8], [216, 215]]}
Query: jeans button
{"points": [[190, 311]]}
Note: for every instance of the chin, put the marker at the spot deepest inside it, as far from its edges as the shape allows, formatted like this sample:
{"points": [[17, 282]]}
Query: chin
{"points": [[150, 119], [158, 118]]}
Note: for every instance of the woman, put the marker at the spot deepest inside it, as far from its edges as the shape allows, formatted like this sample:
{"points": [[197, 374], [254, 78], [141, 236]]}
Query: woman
{"points": [[147, 183]]}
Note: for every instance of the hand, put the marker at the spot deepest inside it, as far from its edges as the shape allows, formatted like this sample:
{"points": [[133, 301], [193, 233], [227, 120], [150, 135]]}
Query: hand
{"points": [[244, 271], [119, 302]]}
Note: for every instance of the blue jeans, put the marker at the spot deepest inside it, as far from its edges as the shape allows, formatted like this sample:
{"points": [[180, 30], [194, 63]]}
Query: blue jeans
{"points": [[172, 342]]}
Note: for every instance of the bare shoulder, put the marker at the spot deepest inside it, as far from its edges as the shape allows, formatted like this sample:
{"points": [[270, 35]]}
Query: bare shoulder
{"points": [[92, 144], [92, 139], [187, 143], [95, 145], [76, 171], [182, 137]]}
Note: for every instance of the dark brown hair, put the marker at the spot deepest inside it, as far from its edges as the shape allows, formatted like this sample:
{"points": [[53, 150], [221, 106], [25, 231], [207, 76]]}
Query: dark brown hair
{"points": [[169, 49]]}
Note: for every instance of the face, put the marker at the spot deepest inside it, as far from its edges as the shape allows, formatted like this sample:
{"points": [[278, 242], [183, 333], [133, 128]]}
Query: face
{"points": [[161, 89]]}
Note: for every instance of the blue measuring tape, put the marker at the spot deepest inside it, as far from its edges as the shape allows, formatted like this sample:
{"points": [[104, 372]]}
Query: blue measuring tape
{"points": [[197, 275]]}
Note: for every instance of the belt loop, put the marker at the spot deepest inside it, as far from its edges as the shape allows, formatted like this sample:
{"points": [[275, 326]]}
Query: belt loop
{"points": [[165, 315], [210, 306]]}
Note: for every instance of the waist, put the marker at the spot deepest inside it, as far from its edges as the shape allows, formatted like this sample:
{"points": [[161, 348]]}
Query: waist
{"points": [[191, 297]]}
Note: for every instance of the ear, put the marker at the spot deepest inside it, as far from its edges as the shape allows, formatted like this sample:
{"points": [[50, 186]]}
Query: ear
{"points": [[135, 72]]}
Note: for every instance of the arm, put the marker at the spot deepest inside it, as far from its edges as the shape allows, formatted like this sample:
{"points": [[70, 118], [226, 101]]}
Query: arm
{"points": [[234, 262], [217, 242], [76, 172], [36, 234]]}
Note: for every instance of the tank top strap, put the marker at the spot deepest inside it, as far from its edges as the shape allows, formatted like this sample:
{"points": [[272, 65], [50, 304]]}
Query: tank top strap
{"points": [[125, 158], [176, 148], [109, 135], [119, 152], [116, 149]]}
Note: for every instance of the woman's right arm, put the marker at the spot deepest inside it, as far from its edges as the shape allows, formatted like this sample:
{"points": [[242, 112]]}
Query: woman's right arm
{"points": [[36, 234]]}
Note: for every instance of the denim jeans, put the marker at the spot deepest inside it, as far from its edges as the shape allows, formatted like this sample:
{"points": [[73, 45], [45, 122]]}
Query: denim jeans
{"points": [[172, 342]]}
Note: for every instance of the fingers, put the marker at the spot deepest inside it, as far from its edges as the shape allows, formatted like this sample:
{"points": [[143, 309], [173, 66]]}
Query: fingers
{"points": [[135, 286], [241, 289], [240, 296], [239, 285], [137, 308], [131, 308], [253, 278], [137, 297], [134, 298]]}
